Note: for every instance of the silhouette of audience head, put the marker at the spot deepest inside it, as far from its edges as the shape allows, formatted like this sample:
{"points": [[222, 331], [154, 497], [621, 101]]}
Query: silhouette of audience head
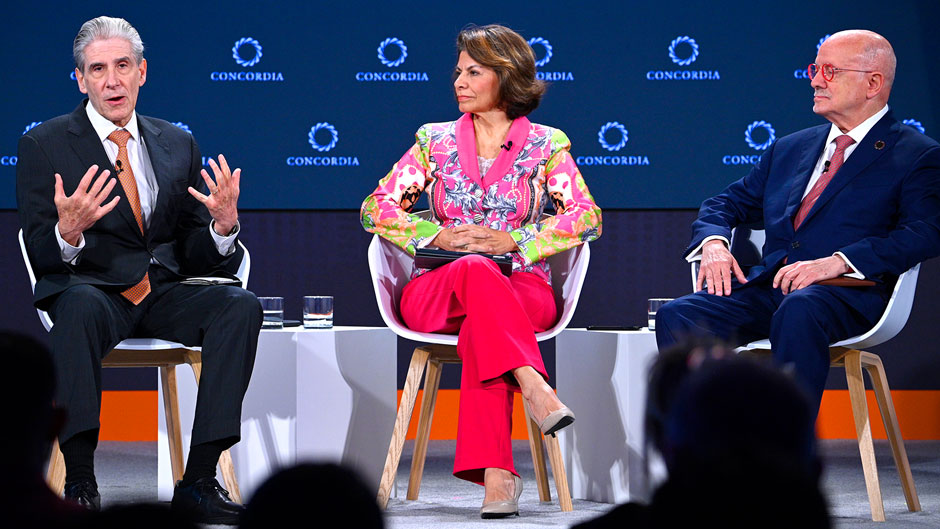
{"points": [[28, 384], [313, 491], [27, 387], [738, 440], [705, 401]]}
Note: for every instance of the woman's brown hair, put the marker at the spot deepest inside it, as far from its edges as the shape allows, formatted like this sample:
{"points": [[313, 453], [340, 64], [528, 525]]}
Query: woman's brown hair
{"points": [[511, 57]]}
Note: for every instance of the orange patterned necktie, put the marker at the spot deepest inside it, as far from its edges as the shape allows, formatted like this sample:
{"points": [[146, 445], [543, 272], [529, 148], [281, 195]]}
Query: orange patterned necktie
{"points": [[125, 175]]}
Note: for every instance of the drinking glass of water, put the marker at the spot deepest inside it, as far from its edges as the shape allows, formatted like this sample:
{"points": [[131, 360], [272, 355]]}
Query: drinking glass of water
{"points": [[318, 312], [273, 309], [653, 308]]}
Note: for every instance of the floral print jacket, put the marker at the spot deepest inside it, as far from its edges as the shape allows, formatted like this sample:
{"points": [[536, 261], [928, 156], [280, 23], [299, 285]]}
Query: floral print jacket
{"points": [[510, 197]]}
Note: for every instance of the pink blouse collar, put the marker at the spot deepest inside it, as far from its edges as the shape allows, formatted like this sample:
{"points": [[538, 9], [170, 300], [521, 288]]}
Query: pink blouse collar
{"points": [[467, 149]]}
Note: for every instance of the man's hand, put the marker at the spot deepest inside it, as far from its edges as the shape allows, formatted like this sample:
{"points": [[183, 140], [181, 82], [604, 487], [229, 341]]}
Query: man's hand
{"points": [[82, 210], [804, 273], [717, 266], [222, 201], [476, 239]]}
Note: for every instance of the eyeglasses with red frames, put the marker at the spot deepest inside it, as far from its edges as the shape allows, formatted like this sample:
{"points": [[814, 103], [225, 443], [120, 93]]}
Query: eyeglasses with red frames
{"points": [[829, 71]]}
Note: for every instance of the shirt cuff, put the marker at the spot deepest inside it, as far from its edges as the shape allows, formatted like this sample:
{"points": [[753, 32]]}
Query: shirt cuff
{"points": [[696, 254], [225, 244], [424, 242], [68, 252], [856, 274]]}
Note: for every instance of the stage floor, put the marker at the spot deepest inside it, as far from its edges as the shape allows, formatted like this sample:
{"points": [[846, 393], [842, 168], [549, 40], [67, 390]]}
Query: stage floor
{"points": [[127, 472]]}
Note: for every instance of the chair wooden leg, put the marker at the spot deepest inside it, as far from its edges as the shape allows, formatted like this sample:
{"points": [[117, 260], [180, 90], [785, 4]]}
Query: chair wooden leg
{"points": [[408, 395], [872, 363], [171, 411], [538, 455], [55, 476], [558, 470], [853, 375], [194, 360], [228, 476], [432, 382]]}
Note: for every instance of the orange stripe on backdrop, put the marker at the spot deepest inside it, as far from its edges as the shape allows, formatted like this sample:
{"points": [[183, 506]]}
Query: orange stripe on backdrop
{"points": [[128, 416], [132, 415], [444, 423], [918, 414]]}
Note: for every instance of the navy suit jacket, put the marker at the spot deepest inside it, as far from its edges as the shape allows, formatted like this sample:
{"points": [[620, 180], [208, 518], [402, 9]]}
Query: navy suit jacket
{"points": [[116, 254], [881, 209]]}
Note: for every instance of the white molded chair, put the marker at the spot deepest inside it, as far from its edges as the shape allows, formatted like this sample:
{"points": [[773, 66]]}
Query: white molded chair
{"points": [[150, 352], [391, 271], [848, 353]]}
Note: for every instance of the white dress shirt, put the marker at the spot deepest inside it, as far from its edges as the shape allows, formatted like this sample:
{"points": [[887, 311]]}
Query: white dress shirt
{"points": [[147, 188], [857, 134]]}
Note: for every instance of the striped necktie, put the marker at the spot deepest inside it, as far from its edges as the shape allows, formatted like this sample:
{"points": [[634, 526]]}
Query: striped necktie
{"points": [[838, 158]]}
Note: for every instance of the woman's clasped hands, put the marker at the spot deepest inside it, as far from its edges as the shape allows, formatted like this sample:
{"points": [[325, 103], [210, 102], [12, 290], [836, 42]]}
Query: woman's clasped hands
{"points": [[476, 239]]}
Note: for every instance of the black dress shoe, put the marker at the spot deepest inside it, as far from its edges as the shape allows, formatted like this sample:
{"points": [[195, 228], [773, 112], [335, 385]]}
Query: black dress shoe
{"points": [[84, 493], [205, 501]]}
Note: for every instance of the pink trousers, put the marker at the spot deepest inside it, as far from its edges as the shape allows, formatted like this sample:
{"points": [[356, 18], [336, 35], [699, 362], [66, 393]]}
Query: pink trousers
{"points": [[497, 318]]}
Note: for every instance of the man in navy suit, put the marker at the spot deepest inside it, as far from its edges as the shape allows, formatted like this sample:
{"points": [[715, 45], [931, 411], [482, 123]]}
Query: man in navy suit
{"points": [[859, 197], [109, 254]]}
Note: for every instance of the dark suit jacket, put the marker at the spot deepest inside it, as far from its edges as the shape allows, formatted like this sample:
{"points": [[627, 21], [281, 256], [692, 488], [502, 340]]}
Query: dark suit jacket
{"points": [[882, 209], [116, 255]]}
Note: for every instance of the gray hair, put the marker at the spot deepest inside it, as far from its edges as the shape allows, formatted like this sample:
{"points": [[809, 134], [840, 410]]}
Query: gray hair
{"points": [[105, 28]]}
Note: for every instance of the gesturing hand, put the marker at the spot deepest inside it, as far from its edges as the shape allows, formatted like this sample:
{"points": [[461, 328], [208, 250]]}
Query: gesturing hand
{"points": [[717, 266], [476, 239], [802, 274], [222, 201], [82, 210]]}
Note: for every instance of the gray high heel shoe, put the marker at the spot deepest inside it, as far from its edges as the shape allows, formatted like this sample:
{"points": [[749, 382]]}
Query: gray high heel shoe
{"points": [[503, 508], [556, 420]]}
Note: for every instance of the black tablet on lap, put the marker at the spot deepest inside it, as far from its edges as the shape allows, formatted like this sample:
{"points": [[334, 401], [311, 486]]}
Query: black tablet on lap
{"points": [[432, 258]]}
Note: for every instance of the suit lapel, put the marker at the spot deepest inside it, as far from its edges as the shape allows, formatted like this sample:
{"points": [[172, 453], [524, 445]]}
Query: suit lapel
{"points": [[885, 134], [467, 149], [159, 152], [804, 170], [87, 146], [516, 137]]}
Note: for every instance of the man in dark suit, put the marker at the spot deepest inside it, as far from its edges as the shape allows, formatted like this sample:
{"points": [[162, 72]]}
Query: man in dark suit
{"points": [[109, 255], [859, 197]]}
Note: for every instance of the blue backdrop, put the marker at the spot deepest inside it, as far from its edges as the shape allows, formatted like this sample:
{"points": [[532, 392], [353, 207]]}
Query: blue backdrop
{"points": [[664, 104]]}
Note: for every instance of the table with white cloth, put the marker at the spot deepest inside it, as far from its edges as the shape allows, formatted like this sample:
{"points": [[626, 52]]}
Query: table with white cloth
{"points": [[602, 376]]}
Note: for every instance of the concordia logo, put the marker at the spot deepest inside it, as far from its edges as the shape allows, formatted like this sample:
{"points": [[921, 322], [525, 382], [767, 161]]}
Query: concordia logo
{"points": [[683, 51], [613, 137], [909, 122], [392, 52], [247, 53], [801, 73], [322, 137], [547, 76], [10, 160], [752, 159]]}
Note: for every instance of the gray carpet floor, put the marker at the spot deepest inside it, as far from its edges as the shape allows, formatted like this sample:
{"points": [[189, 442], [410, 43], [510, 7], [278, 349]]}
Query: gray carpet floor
{"points": [[127, 473]]}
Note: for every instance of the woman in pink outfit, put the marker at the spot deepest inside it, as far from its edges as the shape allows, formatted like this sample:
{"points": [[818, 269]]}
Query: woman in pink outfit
{"points": [[489, 176]]}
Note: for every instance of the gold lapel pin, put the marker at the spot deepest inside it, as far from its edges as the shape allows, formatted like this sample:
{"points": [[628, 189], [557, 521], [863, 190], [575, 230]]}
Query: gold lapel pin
{"points": [[879, 145]]}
